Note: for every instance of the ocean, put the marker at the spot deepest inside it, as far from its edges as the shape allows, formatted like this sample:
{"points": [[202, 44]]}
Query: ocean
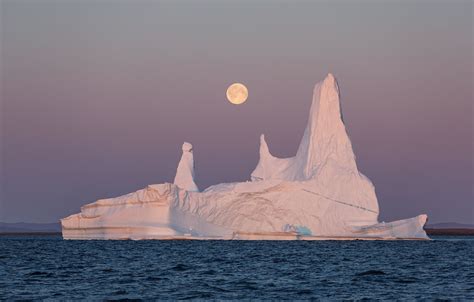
{"points": [[47, 267]]}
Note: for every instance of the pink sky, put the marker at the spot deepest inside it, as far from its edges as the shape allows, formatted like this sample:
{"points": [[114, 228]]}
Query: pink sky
{"points": [[97, 97]]}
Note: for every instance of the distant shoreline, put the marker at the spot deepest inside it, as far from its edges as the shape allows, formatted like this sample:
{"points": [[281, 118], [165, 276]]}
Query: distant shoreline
{"points": [[450, 232], [31, 233], [430, 232]]}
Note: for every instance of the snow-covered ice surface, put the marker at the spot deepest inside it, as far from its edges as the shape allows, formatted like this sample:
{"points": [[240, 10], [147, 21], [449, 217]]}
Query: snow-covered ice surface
{"points": [[317, 194]]}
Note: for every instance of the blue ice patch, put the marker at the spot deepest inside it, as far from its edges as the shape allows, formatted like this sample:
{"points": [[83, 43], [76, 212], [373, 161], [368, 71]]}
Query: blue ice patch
{"points": [[299, 229], [302, 230]]}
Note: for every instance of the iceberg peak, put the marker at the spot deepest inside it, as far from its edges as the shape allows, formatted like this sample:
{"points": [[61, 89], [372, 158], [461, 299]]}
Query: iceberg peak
{"points": [[185, 173], [324, 141], [330, 78], [187, 147]]}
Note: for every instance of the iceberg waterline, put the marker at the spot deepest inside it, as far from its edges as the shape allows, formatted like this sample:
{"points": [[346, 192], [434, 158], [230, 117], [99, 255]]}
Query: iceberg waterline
{"points": [[317, 194]]}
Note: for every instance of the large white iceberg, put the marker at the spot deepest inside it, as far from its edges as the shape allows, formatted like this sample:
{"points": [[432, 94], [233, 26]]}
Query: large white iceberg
{"points": [[317, 194]]}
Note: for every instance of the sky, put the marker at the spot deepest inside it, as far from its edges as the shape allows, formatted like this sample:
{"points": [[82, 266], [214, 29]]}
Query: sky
{"points": [[97, 97]]}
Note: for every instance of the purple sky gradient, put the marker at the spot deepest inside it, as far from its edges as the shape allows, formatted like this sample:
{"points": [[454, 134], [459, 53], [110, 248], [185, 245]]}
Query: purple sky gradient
{"points": [[98, 96]]}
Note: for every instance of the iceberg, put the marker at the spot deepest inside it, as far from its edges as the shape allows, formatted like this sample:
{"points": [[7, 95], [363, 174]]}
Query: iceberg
{"points": [[318, 194]]}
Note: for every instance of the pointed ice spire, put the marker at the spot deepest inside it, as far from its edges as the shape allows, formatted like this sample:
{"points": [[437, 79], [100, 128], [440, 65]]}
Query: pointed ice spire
{"points": [[325, 141], [185, 173], [271, 167], [325, 138], [265, 158], [263, 146]]}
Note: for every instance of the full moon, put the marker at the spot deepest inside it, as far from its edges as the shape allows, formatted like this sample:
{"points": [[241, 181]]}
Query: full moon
{"points": [[237, 93]]}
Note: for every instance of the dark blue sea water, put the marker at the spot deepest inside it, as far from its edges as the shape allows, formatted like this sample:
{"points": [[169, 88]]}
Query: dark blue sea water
{"points": [[47, 267]]}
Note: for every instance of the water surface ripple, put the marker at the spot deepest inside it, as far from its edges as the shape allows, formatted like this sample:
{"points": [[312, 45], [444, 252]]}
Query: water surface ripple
{"points": [[47, 267]]}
